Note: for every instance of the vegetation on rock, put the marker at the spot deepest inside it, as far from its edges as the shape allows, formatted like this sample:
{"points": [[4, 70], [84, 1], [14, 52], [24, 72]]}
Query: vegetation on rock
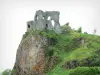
{"points": [[75, 49], [66, 51], [72, 49], [79, 29], [8, 72]]}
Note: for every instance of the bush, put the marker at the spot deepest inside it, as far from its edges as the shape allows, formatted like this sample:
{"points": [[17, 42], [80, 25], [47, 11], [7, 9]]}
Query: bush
{"points": [[25, 35], [85, 71], [73, 44], [6, 72], [80, 30], [9, 72], [66, 28], [49, 34], [49, 51]]}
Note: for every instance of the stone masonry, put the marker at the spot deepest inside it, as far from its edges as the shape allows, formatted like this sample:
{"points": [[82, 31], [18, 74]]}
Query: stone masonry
{"points": [[45, 20]]}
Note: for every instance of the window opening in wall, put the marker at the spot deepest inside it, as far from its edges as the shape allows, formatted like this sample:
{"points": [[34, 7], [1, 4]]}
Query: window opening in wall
{"points": [[28, 26], [52, 22], [43, 17], [46, 26], [37, 18], [49, 18]]}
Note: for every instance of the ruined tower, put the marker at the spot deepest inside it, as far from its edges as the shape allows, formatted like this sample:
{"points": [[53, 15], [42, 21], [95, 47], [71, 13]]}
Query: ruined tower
{"points": [[45, 20]]}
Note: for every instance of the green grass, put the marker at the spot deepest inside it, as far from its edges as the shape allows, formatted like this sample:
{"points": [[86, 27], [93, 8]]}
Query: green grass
{"points": [[79, 53], [58, 71], [68, 53], [85, 71]]}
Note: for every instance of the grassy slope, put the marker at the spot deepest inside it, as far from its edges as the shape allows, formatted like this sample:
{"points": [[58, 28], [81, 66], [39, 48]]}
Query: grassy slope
{"points": [[69, 52], [78, 53]]}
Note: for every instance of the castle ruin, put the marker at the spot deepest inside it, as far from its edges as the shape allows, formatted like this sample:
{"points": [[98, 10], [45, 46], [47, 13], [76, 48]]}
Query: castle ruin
{"points": [[45, 20]]}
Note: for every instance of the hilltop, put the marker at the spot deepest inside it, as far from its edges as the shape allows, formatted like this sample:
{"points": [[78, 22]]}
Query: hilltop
{"points": [[52, 49], [49, 53]]}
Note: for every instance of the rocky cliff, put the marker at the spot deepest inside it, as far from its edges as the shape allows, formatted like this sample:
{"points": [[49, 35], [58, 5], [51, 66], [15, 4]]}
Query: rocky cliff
{"points": [[30, 59], [48, 53]]}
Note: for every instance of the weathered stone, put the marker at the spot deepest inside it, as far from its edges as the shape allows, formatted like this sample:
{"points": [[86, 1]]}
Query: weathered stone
{"points": [[30, 59], [30, 25], [42, 21]]}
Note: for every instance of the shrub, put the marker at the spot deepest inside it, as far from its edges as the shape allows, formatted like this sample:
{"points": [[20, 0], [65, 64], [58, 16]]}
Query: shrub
{"points": [[80, 30], [49, 34], [73, 44], [85, 71], [9, 72], [66, 28], [49, 51], [6, 72], [25, 35]]}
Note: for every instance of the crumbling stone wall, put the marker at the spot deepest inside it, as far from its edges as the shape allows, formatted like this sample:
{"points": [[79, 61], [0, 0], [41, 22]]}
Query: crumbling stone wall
{"points": [[43, 20], [30, 25]]}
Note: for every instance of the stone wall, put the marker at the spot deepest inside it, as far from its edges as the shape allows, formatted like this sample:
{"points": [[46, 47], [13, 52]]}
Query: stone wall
{"points": [[43, 20]]}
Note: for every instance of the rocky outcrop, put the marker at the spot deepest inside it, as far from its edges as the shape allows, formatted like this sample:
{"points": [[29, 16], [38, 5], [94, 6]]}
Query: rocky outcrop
{"points": [[88, 62], [30, 58]]}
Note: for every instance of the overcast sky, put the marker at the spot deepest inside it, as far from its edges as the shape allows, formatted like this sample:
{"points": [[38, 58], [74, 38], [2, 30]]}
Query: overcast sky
{"points": [[15, 13]]}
